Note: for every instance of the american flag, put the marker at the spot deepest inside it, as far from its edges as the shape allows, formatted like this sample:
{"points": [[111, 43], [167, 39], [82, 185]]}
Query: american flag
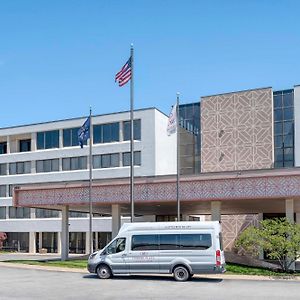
{"points": [[124, 75]]}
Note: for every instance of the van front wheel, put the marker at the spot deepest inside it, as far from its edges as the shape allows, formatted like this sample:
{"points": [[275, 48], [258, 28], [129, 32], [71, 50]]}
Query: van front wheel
{"points": [[103, 272], [181, 273]]}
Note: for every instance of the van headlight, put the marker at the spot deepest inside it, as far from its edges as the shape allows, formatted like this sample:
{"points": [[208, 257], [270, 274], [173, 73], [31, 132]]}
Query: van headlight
{"points": [[93, 255]]}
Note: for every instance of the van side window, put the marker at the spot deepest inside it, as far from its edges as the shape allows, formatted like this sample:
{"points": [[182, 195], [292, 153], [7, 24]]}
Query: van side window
{"points": [[169, 241], [116, 246], [144, 242], [195, 241]]}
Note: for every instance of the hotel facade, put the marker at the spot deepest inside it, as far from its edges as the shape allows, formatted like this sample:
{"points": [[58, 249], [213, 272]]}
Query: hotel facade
{"points": [[239, 163]]}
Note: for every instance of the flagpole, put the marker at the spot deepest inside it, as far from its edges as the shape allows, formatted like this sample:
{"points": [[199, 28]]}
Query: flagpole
{"points": [[131, 136], [178, 158], [90, 186]]}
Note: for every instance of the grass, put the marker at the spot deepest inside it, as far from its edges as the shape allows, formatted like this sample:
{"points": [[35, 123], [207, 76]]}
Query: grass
{"points": [[245, 270], [82, 263], [76, 263]]}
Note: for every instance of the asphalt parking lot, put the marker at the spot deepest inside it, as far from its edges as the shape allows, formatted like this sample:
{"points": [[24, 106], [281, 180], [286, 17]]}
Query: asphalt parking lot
{"points": [[21, 283]]}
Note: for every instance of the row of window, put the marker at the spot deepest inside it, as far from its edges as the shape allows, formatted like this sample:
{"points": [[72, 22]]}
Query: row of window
{"points": [[103, 133], [24, 213], [148, 242], [110, 160]]}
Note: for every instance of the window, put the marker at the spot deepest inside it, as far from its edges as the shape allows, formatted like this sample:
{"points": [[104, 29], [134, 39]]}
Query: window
{"points": [[171, 242], [48, 139], [3, 148], [77, 214], [70, 137], [116, 246], [144, 242], [21, 167], [48, 165], [25, 145], [74, 163], [2, 190], [106, 161], [46, 213], [10, 190], [136, 158], [2, 212], [106, 133], [195, 241], [3, 169], [19, 212], [136, 130], [284, 128]]}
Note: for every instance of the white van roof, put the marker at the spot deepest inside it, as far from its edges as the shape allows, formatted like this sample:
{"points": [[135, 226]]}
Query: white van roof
{"points": [[184, 225]]}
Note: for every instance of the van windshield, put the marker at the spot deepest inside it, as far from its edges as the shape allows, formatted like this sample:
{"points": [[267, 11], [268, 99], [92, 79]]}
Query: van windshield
{"points": [[116, 246]]}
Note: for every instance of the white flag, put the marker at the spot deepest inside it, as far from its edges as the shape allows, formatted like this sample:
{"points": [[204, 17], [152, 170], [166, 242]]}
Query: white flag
{"points": [[172, 122]]}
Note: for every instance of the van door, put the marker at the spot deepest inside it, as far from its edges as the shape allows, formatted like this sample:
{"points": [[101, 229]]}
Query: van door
{"points": [[142, 256], [115, 256]]}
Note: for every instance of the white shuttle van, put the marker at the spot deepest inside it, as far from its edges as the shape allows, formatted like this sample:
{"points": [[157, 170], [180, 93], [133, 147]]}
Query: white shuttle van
{"points": [[179, 248]]}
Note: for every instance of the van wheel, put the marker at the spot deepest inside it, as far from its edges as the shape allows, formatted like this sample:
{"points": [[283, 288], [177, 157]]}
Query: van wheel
{"points": [[103, 272], [181, 273]]}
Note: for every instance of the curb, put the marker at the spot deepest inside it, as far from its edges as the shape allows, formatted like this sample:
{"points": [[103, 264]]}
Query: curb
{"points": [[206, 276]]}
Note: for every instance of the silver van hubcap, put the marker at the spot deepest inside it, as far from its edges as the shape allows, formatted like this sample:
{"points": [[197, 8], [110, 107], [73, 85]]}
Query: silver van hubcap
{"points": [[103, 272], [181, 274]]}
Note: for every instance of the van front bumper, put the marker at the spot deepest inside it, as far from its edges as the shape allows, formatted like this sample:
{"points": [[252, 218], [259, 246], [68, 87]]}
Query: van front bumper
{"points": [[92, 267]]}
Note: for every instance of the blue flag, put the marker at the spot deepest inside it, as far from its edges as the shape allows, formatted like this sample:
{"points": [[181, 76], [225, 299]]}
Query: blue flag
{"points": [[84, 132]]}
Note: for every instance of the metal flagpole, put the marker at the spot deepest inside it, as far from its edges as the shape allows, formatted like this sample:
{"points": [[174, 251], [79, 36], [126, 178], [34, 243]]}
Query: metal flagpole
{"points": [[178, 158], [131, 136], [90, 187]]}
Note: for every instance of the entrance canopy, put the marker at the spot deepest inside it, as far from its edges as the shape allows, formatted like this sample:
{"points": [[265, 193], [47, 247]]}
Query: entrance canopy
{"points": [[255, 191]]}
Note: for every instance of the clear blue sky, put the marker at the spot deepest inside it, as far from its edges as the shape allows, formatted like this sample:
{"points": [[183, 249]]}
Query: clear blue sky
{"points": [[59, 57]]}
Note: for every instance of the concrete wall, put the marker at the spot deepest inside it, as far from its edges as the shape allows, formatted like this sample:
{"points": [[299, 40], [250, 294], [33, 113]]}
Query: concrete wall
{"points": [[237, 131], [165, 147]]}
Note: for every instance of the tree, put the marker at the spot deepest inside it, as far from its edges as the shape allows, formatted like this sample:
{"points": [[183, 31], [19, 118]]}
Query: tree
{"points": [[3, 237], [278, 237]]}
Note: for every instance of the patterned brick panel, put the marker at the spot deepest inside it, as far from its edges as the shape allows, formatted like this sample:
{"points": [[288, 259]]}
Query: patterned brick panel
{"points": [[163, 192], [237, 131], [233, 225]]}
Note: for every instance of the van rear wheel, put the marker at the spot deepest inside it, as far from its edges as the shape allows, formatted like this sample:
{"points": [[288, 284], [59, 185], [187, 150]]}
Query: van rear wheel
{"points": [[181, 273], [103, 272]]}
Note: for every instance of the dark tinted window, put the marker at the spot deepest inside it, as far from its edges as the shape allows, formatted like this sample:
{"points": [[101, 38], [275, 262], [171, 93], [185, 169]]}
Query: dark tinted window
{"points": [[25, 145], [3, 148], [169, 241], [136, 130], [144, 242], [195, 241], [3, 169], [48, 165], [277, 101], [284, 128], [136, 158], [106, 133], [70, 137], [288, 100], [110, 160], [48, 139], [74, 163], [19, 212], [46, 213], [2, 190]]}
